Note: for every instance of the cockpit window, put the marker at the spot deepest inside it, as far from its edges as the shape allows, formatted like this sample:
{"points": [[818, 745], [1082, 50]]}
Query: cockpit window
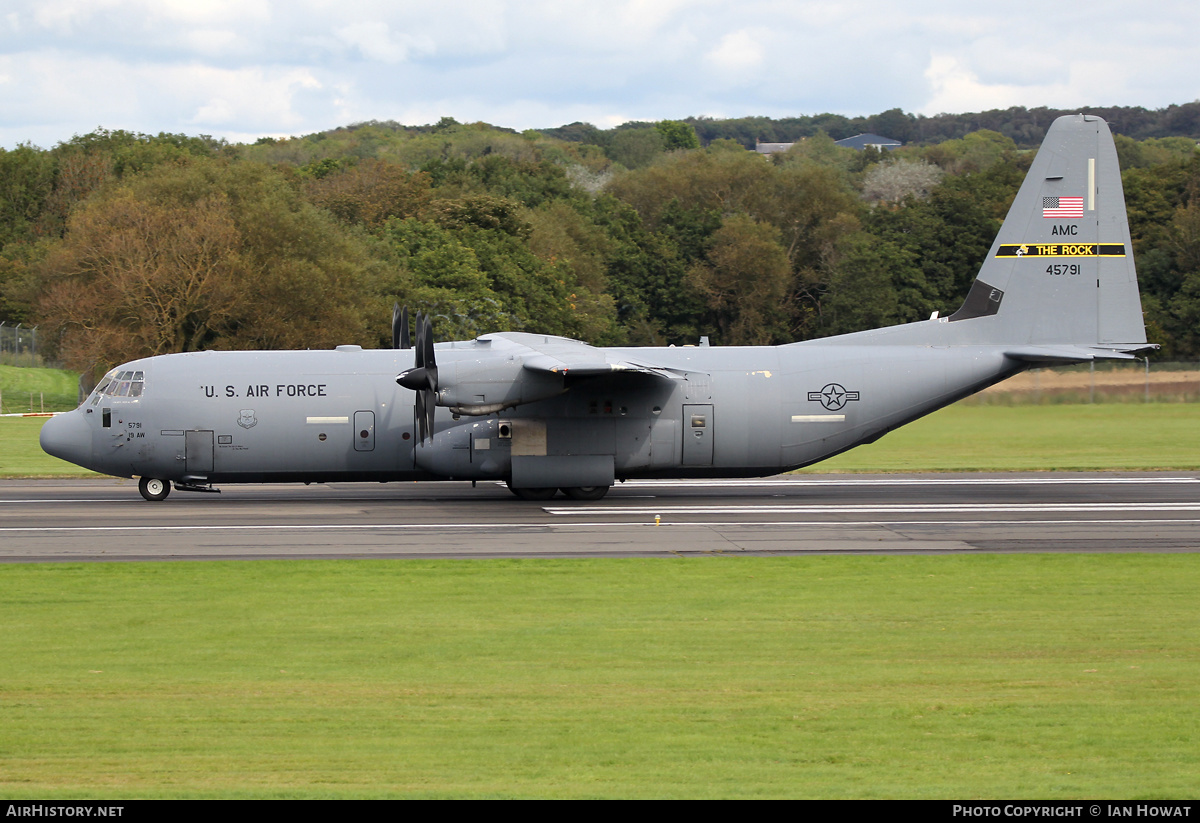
{"points": [[120, 384]]}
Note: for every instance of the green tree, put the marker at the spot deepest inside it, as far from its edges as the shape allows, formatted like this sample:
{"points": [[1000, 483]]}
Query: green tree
{"points": [[645, 274], [863, 286], [677, 135], [743, 283], [977, 151], [636, 148], [371, 192], [200, 255], [26, 181]]}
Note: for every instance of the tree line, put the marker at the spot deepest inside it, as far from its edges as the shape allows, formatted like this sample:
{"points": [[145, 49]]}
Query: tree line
{"points": [[1026, 127], [121, 245]]}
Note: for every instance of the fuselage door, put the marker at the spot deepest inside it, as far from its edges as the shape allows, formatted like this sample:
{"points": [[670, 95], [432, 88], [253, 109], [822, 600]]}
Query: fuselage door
{"points": [[199, 446], [697, 435], [364, 431]]}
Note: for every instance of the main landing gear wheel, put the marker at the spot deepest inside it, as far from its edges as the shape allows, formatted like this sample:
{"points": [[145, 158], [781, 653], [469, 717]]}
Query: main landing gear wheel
{"points": [[586, 492], [154, 489], [534, 494]]}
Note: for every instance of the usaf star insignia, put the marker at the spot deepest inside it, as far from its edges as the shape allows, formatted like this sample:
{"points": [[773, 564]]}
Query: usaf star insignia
{"points": [[834, 396]]}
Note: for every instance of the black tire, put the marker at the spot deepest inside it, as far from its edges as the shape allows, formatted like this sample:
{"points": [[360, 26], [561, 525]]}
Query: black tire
{"points": [[154, 489], [586, 492], [534, 494]]}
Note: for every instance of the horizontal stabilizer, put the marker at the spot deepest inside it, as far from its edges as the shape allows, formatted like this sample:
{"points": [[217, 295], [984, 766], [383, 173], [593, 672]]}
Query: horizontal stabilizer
{"points": [[1060, 355]]}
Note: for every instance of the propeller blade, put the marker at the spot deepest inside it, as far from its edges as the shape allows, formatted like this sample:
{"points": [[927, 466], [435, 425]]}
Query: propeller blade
{"points": [[430, 408], [420, 348], [422, 378], [419, 414], [429, 362], [405, 341]]}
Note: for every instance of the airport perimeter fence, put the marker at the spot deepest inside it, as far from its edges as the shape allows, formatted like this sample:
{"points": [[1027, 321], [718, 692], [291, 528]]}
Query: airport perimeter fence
{"points": [[1141, 381], [19, 345]]}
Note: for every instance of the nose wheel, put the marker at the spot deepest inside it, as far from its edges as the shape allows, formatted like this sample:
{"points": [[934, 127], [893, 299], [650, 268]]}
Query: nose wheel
{"points": [[154, 489]]}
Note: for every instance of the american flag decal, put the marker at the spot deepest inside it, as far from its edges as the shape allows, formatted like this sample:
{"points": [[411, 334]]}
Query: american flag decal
{"points": [[1059, 208]]}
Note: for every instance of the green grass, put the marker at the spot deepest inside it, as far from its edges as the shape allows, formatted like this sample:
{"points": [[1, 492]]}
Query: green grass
{"points": [[21, 456], [1033, 676], [960, 438], [29, 389], [1036, 438]]}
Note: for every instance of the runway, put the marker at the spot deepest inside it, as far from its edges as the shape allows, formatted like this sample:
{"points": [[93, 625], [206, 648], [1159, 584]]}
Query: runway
{"points": [[107, 520]]}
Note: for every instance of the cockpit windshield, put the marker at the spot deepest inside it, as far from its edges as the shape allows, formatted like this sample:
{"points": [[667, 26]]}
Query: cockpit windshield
{"points": [[120, 383]]}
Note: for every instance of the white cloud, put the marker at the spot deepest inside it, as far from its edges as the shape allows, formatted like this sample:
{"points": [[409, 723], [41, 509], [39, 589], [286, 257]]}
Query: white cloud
{"points": [[738, 52], [211, 42], [265, 66], [207, 11], [955, 88], [376, 41]]}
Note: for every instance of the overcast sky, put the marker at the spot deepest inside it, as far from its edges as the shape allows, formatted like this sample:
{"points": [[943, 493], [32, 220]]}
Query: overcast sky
{"points": [[242, 69]]}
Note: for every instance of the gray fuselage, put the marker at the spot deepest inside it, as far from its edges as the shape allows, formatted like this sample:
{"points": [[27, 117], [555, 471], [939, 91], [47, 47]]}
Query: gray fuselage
{"points": [[229, 417]]}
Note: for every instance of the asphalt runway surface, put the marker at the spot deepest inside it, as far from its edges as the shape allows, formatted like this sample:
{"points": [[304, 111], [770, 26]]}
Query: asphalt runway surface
{"points": [[107, 520]]}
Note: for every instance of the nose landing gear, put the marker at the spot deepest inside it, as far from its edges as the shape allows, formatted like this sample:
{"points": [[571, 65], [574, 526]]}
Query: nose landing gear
{"points": [[154, 489]]}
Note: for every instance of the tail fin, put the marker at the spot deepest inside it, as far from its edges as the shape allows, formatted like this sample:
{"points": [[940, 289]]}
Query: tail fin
{"points": [[1060, 274]]}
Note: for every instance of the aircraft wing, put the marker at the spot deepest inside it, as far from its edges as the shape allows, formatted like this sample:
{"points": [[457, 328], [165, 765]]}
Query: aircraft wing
{"points": [[573, 358], [513, 368]]}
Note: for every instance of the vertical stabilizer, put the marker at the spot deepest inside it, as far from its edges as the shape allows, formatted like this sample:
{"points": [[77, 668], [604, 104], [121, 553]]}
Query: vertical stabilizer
{"points": [[1060, 271]]}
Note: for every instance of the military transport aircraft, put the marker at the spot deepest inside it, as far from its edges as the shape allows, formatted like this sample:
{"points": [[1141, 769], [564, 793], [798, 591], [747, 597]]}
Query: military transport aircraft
{"points": [[547, 413]]}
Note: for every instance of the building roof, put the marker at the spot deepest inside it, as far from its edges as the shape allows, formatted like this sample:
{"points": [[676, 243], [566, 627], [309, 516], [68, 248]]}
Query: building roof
{"points": [[772, 148], [861, 141]]}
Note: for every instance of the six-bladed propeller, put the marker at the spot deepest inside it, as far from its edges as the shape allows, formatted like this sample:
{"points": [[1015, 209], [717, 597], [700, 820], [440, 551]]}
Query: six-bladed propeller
{"points": [[422, 378]]}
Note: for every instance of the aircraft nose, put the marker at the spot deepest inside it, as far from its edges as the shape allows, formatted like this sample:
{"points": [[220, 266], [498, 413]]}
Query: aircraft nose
{"points": [[67, 437]]}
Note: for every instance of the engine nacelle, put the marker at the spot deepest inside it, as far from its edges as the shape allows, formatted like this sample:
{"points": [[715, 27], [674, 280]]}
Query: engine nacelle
{"points": [[491, 384], [479, 450]]}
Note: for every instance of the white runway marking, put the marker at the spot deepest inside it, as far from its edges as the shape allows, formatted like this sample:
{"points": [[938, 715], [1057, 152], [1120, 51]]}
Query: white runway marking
{"points": [[913, 481], [770, 482], [867, 508], [576, 525]]}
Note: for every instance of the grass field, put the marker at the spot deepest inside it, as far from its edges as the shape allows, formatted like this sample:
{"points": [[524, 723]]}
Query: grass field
{"points": [[21, 456], [34, 390], [1081, 437], [1031, 676], [982, 676]]}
